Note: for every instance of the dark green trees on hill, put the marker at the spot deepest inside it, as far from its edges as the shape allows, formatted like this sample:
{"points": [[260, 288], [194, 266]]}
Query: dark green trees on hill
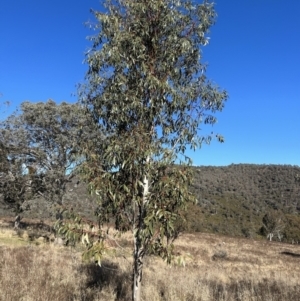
{"points": [[234, 199]]}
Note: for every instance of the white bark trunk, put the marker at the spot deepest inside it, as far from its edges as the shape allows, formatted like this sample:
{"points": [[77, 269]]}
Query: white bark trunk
{"points": [[17, 222], [270, 236], [139, 251], [137, 273]]}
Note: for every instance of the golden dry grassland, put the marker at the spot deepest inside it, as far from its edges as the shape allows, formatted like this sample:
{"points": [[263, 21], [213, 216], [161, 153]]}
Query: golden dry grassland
{"points": [[212, 268]]}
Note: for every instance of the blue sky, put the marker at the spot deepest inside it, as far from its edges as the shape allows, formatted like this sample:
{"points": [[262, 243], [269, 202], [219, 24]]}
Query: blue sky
{"points": [[253, 54]]}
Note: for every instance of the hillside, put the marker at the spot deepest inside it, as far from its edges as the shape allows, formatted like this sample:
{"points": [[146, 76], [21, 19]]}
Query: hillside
{"points": [[232, 200], [262, 186]]}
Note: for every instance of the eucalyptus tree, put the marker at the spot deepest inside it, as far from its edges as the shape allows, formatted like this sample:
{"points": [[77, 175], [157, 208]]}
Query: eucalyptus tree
{"points": [[147, 91], [273, 225], [3, 151], [40, 145]]}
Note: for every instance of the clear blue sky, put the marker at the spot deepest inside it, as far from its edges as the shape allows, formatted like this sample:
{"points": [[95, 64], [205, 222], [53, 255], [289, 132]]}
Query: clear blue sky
{"points": [[254, 53]]}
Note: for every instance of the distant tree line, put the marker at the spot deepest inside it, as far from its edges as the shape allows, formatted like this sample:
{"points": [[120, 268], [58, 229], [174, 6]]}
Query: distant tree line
{"points": [[247, 200]]}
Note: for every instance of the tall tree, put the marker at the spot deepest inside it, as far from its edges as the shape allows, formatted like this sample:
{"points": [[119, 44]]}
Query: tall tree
{"points": [[41, 148], [273, 225], [147, 91]]}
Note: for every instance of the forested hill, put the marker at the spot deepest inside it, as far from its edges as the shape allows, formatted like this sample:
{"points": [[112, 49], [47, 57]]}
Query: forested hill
{"points": [[261, 186], [234, 199]]}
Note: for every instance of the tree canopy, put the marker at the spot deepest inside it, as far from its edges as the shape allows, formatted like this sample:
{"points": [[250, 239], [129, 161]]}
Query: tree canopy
{"points": [[40, 148], [147, 91]]}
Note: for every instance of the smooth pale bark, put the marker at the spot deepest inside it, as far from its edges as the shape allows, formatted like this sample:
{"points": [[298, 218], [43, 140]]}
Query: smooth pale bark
{"points": [[270, 236], [137, 270], [139, 250]]}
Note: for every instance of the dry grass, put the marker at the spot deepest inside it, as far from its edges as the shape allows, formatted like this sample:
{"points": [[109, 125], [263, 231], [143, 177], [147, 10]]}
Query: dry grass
{"points": [[216, 268], [9, 237], [223, 268]]}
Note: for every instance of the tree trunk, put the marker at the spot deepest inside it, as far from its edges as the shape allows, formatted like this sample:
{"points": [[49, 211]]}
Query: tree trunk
{"points": [[270, 236], [139, 250], [137, 270], [17, 222]]}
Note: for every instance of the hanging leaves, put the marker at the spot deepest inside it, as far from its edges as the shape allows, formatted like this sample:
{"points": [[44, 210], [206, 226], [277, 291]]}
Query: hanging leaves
{"points": [[148, 93]]}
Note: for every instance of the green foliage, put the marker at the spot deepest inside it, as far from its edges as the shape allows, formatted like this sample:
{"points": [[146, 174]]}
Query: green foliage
{"points": [[147, 91], [41, 146], [292, 229], [146, 87], [75, 228], [273, 225]]}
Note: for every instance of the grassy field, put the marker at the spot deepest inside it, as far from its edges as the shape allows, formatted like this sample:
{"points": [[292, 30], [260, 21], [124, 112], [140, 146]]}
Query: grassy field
{"points": [[214, 268]]}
